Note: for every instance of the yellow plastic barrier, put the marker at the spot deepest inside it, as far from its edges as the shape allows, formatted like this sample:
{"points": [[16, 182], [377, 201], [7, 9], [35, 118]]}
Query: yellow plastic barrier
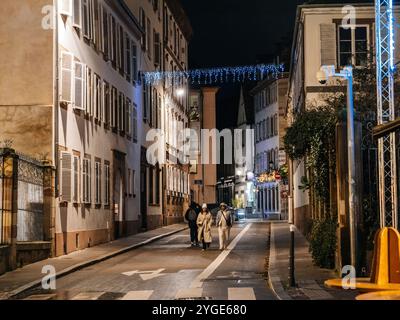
{"points": [[385, 273]]}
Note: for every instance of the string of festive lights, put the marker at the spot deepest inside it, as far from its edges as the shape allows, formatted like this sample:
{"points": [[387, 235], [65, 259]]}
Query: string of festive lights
{"points": [[214, 75]]}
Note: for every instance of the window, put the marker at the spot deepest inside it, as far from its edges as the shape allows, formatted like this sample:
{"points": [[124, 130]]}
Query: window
{"points": [[67, 64], [106, 35], [86, 181], [96, 24], [106, 103], [142, 21], [276, 125], [157, 49], [77, 22], [128, 117], [134, 124], [97, 170], [121, 112], [353, 46], [114, 107], [145, 101], [80, 83], [128, 59], [75, 178], [148, 41], [121, 50], [97, 98], [134, 66], [89, 91], [113, 34], [87, 30], [106, 184]]}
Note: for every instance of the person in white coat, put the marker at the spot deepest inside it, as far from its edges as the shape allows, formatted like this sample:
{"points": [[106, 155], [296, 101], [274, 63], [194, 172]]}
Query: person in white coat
{"points": [[224, 223]]}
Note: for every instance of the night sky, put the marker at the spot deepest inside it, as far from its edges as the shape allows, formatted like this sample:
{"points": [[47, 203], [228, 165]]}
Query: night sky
{"points": [[240, 32], [237, 32]]}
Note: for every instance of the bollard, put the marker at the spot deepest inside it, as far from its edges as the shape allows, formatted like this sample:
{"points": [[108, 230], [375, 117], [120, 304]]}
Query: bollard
{"points": [[292, 281]]}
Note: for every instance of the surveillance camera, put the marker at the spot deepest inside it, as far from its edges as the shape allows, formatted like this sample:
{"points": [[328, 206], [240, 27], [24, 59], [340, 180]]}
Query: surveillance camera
{"points": [[322, 77]]}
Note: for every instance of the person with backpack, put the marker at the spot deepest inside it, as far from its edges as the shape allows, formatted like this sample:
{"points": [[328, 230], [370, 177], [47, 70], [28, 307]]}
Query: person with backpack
{"points": [[191, 217], [224, 223]]}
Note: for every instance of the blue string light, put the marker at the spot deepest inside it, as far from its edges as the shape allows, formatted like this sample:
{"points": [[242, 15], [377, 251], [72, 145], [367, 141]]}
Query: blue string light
{"points": [[214, 75]]}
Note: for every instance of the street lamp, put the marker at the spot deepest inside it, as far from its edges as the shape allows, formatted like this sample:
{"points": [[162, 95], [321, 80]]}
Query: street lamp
{"points": [[180, 92], [323, 75]]}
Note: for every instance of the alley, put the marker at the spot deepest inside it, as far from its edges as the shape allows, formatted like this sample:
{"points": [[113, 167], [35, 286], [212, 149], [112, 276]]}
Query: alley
{"points": [[170, 269]]}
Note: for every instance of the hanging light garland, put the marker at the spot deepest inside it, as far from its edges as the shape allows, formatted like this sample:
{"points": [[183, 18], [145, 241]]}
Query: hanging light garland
{"points": [[215, 75]]}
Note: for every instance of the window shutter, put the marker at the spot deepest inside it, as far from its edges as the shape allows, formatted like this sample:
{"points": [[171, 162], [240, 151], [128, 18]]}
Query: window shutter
{"points": [[66, 7], [66, 76], [77, 23], [157, 49], [80, 75], [75, 193], [328, 44], [86, 18], [66, 177]]}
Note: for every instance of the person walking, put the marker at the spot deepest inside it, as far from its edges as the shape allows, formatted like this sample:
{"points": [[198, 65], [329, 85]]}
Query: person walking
{"points": [[224, 223], [191, 217], [204, 222]]}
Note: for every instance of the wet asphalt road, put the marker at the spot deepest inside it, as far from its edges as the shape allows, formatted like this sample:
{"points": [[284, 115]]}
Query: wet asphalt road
{"points": [[170, 269]]}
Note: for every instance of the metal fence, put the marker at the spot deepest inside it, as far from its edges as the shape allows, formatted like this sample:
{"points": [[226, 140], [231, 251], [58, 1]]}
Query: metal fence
{"points": [[30, 199], [25, 176]]}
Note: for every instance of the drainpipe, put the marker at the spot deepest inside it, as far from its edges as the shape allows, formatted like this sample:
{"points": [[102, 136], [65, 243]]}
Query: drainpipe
{"points": [[56, 98]]}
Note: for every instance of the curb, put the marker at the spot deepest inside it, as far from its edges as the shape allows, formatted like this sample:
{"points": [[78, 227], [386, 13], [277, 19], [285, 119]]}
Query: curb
{"points": [[274, 281], [85, 264]]}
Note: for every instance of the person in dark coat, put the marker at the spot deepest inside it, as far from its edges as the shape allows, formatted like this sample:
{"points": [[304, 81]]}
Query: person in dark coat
{"points": [[191, 217]]}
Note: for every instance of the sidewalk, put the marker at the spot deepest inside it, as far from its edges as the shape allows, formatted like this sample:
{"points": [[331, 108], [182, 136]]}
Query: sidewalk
{"points": [[309, 278], [17, 281]]}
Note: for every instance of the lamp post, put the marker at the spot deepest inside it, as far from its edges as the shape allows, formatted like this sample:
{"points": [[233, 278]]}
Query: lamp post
{"points": [[323, 75]]}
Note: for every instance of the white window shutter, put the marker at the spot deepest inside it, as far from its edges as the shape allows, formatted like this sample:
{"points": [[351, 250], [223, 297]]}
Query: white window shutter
{"points": [[328, 43], [79, 94], [77, 22], [65, 7], [66, 177], [75, 179], [67, 60]]}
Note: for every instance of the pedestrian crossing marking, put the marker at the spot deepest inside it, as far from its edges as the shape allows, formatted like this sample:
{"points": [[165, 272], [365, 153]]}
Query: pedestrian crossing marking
{"points": [[41, 297], [241, 294], [138, 295], [88, 296], [188, 293]]}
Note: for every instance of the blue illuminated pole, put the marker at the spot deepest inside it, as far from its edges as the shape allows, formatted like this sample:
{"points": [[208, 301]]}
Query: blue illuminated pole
{"points": [[347, 74]]}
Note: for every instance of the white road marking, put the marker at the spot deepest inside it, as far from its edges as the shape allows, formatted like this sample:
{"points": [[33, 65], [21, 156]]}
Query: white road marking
{"points": [[188, 293], [198, 282], [88, 296], [138, 295], [146, 275], [241, 294]]}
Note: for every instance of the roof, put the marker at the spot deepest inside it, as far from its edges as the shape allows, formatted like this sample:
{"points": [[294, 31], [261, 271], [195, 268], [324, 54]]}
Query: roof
{"points": [[181, 17]]}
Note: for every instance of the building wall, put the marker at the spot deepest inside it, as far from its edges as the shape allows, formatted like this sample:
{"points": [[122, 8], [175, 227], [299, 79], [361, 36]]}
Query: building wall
{"points": [[26, 86], [304, 90], [87, 135], [270, 97], [203, 102]]}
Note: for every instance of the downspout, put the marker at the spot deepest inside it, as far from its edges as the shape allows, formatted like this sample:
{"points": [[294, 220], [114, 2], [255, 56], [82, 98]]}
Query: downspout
{"points": [[56, 98]]}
